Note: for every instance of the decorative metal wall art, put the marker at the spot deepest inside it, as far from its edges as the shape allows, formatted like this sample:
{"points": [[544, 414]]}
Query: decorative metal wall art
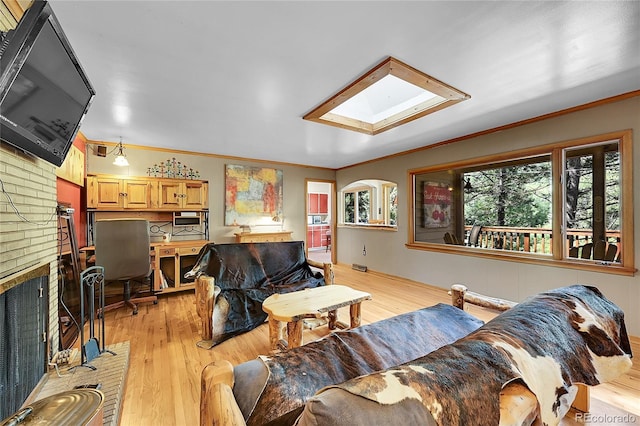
{"points": [[173, 169]]}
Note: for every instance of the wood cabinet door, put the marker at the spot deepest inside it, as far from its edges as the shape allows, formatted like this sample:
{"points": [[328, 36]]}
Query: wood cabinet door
{"points": [[317, 237], [137, 194], [194, 195], [323, 203], [170, 195], [313, 203], [108, 193]]}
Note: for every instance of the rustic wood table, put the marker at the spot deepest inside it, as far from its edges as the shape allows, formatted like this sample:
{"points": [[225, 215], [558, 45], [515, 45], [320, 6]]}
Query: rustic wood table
{"points": [[294, 307]]}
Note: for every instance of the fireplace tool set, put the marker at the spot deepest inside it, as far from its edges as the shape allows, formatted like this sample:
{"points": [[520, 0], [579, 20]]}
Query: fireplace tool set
{"points": [[91, 348]]}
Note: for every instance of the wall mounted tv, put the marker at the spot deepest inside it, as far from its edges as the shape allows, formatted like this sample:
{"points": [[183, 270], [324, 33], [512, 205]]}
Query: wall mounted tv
{"points": [[44, 92]]}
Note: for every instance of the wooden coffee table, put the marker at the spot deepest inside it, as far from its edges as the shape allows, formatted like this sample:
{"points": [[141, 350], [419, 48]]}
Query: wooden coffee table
{"points": [[293, 308]]}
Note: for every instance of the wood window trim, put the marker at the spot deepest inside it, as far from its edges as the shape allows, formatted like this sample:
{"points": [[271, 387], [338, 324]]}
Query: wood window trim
{"points": [[386, 202], [557, 259]]}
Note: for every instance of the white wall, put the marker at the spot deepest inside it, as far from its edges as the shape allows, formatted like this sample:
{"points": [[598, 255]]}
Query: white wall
{"points": [[386, 251]]}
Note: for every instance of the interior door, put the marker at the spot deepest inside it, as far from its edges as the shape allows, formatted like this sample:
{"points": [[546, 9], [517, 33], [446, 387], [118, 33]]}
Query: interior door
{"points": [[320, 214]]}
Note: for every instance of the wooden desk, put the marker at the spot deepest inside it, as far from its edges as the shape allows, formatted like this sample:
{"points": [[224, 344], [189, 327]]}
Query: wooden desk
{"points": [[263, 237], [168, 260], [293, 308]]}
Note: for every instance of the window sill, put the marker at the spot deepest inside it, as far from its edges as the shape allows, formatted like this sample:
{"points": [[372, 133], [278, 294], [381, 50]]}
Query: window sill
{"points": [[530, 258], [369, 226]]}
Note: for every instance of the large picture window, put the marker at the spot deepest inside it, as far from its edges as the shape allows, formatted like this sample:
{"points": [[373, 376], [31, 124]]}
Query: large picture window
{"points": [[562, 203]]}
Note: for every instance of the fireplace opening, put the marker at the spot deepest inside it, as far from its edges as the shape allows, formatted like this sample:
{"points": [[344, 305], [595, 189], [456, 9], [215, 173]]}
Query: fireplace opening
{"points": [[24, 326]]}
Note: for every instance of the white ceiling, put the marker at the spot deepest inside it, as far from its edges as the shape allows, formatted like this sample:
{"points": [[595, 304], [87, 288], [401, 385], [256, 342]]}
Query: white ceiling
{"points": [[235, 78]]}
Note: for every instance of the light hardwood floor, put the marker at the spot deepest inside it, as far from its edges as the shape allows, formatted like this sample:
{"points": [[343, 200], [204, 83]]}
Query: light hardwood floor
{"points": [[163, 383]]}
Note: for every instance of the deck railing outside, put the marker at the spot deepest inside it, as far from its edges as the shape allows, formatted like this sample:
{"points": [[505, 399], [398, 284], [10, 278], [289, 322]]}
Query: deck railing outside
{"points": [[534, 240]]}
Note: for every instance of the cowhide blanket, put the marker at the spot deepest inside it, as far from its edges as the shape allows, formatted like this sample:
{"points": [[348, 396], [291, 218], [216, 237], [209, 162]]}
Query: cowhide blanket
{"points": [[296, 375], [519, 368]]}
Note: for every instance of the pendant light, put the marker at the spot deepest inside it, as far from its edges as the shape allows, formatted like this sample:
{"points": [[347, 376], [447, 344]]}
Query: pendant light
{"points": [[121, 159]]}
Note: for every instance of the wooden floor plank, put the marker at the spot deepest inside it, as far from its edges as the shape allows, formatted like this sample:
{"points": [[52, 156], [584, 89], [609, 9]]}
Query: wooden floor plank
{"points": [[163, 383]]}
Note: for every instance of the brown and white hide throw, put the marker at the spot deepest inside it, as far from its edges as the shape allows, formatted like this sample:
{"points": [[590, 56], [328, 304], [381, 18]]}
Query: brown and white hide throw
{"points": [[543, 346], [297, 374]]}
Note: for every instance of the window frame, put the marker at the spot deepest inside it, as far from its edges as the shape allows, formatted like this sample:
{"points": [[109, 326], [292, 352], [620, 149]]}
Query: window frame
{"points": [[558, 258], [386, 203], [379, 212], [356, 191]]}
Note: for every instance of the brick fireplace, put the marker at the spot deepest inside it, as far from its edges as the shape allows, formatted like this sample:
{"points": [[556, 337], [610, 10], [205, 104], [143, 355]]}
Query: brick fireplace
{"points": [[28, 246]]}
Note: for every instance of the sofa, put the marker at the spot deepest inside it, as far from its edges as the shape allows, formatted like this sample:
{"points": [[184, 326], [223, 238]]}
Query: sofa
{"points": [[234, 279], [273, 389], [524, 366]]}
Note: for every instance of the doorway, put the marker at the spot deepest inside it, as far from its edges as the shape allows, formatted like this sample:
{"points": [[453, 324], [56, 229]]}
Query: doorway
{"points": [[321, 214]]}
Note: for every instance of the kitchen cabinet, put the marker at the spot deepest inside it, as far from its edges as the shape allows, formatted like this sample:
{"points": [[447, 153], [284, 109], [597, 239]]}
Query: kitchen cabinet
{"points": [[317, 235], [116, 193], [151, 198], [318, 203], [113, 193], [181, 195]]}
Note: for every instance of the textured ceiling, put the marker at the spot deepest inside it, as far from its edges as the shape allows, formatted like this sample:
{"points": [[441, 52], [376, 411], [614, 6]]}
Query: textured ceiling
{"points": [[235, 78]]}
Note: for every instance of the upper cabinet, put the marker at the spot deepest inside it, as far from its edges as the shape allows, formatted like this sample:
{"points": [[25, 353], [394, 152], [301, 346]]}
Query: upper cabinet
{"points": [[142, 193], [114, 193], [180, 195], [318, 203]]}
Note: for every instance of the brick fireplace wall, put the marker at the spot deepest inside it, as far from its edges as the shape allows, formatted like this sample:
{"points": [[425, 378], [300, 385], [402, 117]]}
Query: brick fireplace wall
{"points": [[28, 237]]}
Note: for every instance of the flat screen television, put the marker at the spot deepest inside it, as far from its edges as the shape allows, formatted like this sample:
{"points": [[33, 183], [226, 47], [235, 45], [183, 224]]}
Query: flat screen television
{"points": [[44, 92]]}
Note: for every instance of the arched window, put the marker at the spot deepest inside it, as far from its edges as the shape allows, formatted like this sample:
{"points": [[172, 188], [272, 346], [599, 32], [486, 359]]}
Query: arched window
{"points": [[369, 203]]}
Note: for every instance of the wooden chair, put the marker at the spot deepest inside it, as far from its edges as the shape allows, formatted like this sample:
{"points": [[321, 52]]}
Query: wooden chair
{"points": [[583, 251], [474, 235], [450, 238], [599, 250], [610, 255]]}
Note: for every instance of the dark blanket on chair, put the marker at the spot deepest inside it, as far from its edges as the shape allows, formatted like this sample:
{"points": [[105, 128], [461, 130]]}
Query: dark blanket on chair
{"points": [[544, 345], [249, 273], [295, 375]]}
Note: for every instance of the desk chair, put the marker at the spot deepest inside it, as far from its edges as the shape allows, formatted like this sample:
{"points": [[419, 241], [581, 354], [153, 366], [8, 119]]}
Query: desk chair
{"points": [[122, 248]]}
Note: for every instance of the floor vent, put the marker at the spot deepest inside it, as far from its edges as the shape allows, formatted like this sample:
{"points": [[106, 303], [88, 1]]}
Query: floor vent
{"points": [[361, 268]]}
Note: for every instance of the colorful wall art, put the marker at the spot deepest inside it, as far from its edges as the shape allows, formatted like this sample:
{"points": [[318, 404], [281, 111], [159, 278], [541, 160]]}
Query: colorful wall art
{"points": [[253, 195]]}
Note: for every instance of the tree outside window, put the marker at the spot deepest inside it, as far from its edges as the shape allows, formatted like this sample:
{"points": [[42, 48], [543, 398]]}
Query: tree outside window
{"points": [[356, 206], [349, 207], [514, 195], [364, 205]]}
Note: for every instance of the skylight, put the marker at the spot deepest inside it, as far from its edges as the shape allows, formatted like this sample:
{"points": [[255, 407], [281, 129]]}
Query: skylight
{"points": [[390, 94]]}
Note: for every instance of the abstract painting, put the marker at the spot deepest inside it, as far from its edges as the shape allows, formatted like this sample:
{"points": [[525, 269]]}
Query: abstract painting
{"points": [[253, 195]]}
